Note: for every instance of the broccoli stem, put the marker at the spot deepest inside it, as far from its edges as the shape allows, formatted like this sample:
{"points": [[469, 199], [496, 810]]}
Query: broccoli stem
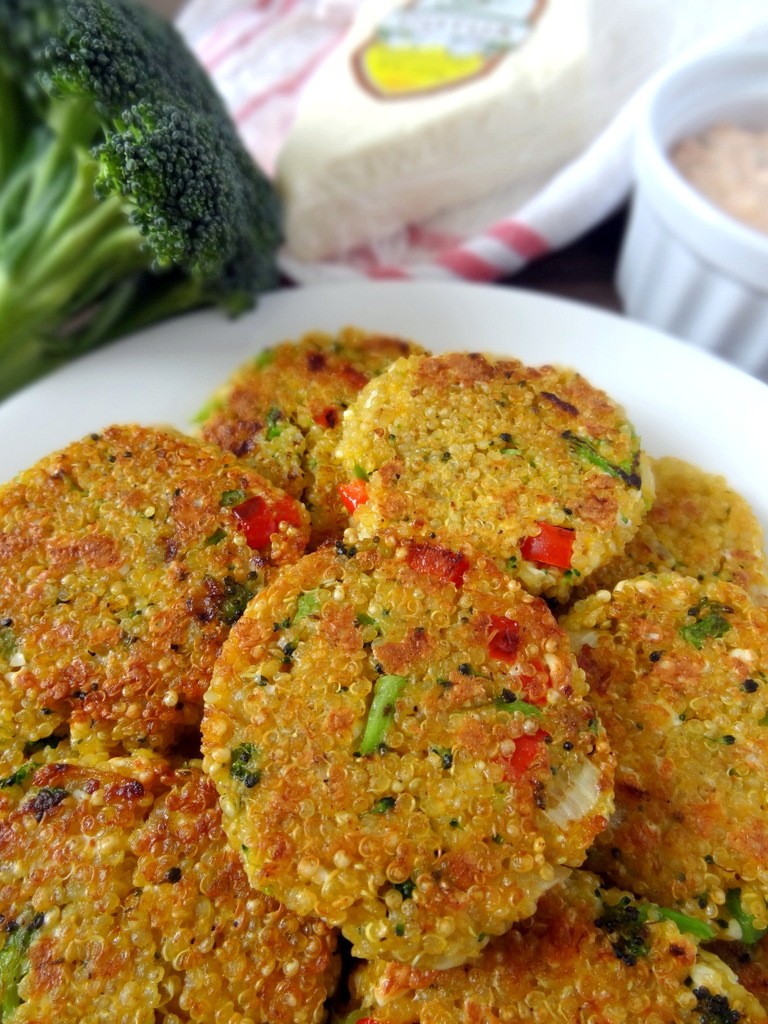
{"points": [[14, 965], [163, 297], [749, 934], [12, 133], [687, 924], [70, 127], [24, 362], [12, 196], [382, 711], [69, 249], [102, 103]]}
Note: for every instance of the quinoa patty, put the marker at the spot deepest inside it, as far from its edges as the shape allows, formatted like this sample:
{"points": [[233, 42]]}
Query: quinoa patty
{"points": [[281, 412], [698, 526], [121, 902], [533, 467], [678, 670], [402, 746], [589, 954], [750, 965], [125, 559]]}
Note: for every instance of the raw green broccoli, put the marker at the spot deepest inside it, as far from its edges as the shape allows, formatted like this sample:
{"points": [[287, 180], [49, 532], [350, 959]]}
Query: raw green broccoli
{"points": [[125, 193]]}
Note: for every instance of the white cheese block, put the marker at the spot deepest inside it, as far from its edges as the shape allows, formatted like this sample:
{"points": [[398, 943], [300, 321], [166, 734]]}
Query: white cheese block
{"points": [[428, 105]]}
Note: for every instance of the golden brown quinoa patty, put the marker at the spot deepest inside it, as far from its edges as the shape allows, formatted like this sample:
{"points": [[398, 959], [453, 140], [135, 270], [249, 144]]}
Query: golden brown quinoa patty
{"points": [[281, 412], [587, 955], [749, 964], [121, 902], [678, 670], [124, 560], [698, 526], [533, 467], [402, 746]]}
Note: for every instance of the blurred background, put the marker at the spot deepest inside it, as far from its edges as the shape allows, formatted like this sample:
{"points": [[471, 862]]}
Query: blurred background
{"points": [[583, 270], [166, 7]]}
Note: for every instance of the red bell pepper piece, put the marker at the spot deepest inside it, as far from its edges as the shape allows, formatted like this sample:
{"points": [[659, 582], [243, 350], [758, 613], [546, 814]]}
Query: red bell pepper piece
{"points": [[353, 493], [505, 638], [258, 519], [553, 545], [329, 417], [442, 563], [504, 644], [355, 378], [527, 748]]}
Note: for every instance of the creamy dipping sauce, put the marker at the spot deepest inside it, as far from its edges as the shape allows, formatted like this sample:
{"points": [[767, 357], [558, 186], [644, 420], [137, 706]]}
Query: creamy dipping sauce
{"points": [[729, 165]]}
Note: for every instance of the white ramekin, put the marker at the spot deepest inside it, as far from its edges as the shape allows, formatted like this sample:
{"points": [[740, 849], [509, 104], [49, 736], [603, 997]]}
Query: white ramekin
{"points": [[686, 266]]}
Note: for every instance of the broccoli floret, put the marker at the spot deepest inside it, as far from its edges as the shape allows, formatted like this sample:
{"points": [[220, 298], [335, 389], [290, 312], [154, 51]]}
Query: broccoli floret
{"points": [[242, 766], [625, 924], [125, 193]]}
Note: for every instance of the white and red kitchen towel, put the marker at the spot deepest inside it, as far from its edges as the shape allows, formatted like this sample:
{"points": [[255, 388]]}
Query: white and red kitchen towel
{"points": [[262, 55]]}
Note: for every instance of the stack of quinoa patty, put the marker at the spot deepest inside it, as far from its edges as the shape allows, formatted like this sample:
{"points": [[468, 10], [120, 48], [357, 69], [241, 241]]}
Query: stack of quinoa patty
{"points": [[402, 695]]}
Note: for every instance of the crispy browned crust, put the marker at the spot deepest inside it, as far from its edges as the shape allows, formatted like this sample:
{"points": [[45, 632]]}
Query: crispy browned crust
{"points": [[566, 965], [677, 670], [749, 963], [484, 451], [137, 908], [122, 572], [470, 842], [281, 413], [698, 526]]}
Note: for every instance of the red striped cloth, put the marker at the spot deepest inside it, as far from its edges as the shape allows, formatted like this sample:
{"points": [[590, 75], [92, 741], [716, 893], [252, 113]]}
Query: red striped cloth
{"points": [[262, 54]]}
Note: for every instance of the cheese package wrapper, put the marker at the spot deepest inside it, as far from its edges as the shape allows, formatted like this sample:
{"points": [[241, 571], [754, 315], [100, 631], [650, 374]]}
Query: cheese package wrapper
{"points": [[428, 105]]}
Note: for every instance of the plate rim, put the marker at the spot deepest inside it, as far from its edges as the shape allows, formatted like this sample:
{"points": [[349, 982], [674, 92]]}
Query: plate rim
{"points": [[452, 306]]}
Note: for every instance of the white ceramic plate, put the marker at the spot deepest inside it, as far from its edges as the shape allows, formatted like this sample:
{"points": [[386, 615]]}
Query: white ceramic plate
{"points": [[682, 401]]}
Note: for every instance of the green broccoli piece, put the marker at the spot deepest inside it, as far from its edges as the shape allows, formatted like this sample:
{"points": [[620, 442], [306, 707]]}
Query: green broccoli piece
{"points": [[126, 195], [746, 922], [386, 803], [710, 622], [626, 923], [242, 767], [386, 690], [20, 776], [14, 963]]}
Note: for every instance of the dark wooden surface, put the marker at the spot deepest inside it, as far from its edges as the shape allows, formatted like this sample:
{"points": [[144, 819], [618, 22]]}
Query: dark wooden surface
{"points": [[583, 271]]}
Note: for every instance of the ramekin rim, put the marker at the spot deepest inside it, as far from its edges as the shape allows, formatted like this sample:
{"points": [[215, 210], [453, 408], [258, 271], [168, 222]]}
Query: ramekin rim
{"points": [[739, 251]]}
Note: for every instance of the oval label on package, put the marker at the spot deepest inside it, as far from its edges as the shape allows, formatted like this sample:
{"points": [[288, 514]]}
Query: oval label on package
{"points": [[427, 46]]}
